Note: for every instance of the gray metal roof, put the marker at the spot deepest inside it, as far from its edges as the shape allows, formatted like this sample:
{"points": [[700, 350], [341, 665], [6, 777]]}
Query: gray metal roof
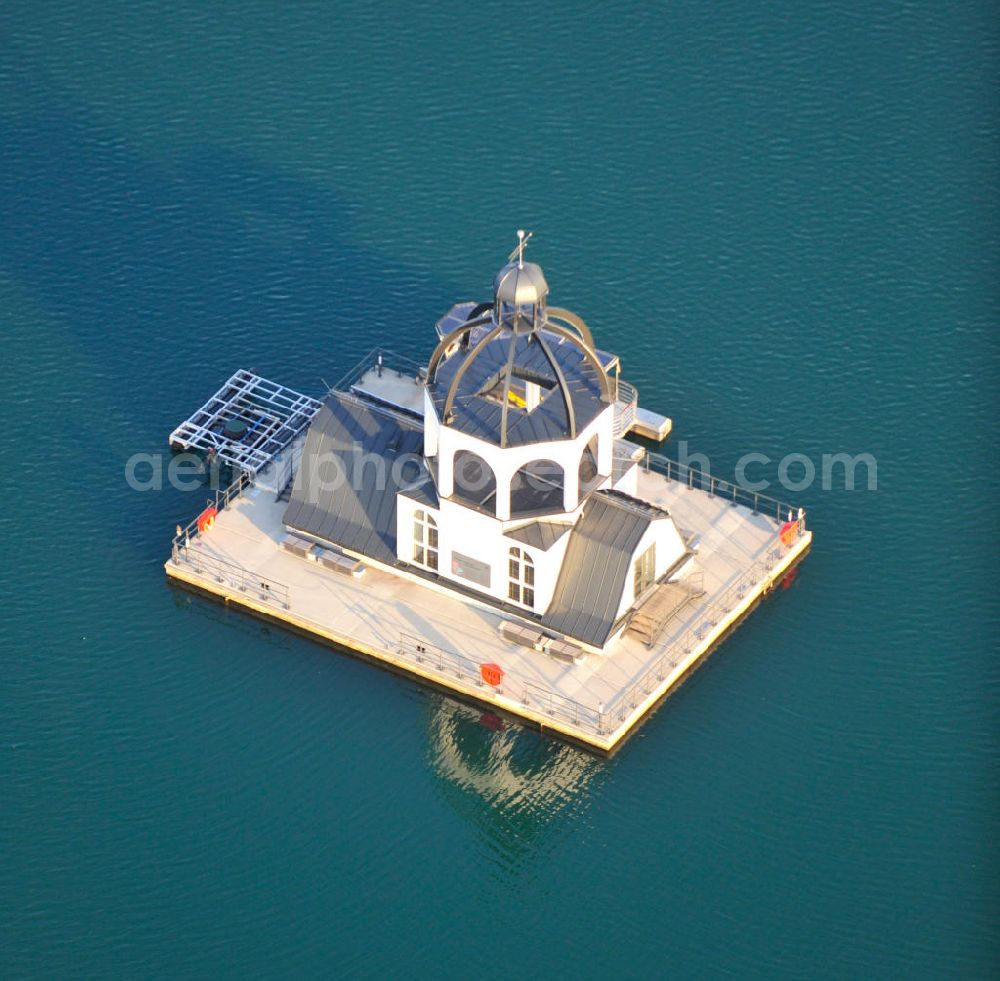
{"points": [[425, 493], [479, 416], [539, 534], [344, 498], [644, 508], [597, 565]]}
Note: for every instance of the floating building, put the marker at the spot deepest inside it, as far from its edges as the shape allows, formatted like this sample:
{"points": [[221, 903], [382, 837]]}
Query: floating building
{"points": [[483, 522]]}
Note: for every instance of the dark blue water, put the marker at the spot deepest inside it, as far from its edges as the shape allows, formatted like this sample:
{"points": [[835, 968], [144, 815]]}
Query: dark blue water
{"points": [[783, 218]]}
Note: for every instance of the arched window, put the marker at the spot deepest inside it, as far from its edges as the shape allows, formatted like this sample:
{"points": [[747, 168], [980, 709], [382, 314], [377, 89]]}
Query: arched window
{"points": [[537, 486], [521, 576], [425, 540], [475, 482]]}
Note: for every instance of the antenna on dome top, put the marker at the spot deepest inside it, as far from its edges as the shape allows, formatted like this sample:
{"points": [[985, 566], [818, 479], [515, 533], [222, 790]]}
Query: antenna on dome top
{"points": [[522, 241]]}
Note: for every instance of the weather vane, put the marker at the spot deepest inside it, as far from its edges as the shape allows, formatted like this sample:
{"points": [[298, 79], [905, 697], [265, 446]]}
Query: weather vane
{"points": [[522, 241]]}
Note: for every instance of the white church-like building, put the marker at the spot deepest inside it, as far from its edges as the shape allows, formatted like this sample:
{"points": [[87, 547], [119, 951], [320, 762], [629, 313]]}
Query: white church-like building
{"points": [[479, 520], [497, 473]]}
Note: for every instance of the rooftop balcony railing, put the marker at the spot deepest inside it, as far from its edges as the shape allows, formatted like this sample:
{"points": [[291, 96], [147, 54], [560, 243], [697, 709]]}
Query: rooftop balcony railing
{"points": [[696, 477], [626, 404], [381, 359]]}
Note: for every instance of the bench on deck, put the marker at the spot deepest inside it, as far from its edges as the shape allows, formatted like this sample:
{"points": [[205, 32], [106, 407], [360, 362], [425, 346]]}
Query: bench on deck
{"points": [[525, 636], [563, 650], [338, 562], [518, 633], [329, 558], [296, 545]]}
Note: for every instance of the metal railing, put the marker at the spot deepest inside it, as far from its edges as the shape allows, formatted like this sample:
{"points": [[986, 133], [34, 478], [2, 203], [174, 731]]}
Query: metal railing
{"points": [[561, 707], [240, 578], [383, 359], [695, 477], [543, 700], [424, 653], [222, 500], [626, 404], [235, 576], [707, 617]]}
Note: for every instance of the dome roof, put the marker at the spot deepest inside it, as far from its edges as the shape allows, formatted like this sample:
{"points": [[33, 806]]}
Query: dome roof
{"points": [[514, 378], [520, 283]]}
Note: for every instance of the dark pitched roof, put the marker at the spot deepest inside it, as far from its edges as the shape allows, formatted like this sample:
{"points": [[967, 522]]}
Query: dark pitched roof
{"points": [[597, 564], [480, 416], [345, 489], [539, 534], [645, 508]]}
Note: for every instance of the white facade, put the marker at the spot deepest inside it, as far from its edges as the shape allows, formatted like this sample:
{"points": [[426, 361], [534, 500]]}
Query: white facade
{"points": [[505, 462], [468, 533], [464, 533], [666, 539], [472, 548]]}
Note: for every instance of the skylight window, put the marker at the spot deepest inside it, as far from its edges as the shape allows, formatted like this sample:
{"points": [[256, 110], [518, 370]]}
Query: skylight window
{"points": [[527, 390]]}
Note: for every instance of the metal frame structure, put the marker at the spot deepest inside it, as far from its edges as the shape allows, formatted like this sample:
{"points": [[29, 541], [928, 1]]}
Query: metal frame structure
{"points": [[274, 416]]}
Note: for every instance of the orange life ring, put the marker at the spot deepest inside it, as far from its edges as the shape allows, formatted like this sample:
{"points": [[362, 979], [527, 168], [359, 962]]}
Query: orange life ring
{"points": [[789, 532], [206, 519]]}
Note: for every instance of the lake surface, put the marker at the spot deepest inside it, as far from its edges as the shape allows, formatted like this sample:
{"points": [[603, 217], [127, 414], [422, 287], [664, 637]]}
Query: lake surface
{"points": [[784, 220]]}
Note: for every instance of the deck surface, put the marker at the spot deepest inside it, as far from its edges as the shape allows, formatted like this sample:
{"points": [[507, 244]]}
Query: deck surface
{"points": [[371, 613], [393, 388]]}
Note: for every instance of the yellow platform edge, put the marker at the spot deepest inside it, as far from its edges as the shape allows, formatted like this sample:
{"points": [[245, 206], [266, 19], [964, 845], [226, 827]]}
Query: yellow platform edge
{"points": [[605, 745]]}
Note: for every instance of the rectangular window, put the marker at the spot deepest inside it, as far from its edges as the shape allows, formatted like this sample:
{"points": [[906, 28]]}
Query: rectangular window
{"points": [[471, 569], [645, 570]]}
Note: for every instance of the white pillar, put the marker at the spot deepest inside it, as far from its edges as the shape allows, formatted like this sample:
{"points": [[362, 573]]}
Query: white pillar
{"points": [[446, 470], [503, 478], [571, 486], [605, 444]]}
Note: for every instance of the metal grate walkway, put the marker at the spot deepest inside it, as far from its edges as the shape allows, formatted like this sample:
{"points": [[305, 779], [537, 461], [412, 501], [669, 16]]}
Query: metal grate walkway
{"points": [[246, 422]]}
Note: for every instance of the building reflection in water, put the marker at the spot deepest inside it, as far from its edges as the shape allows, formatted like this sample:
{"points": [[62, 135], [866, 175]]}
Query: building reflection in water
{"points": [[513, 782]]}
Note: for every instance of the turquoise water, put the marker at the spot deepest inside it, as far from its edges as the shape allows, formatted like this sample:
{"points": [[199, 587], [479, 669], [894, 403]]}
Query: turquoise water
{"points": [[784, 219]]}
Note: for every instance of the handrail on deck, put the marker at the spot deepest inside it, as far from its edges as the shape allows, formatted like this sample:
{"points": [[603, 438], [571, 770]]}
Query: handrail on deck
{"points": [[527, 693], [240, 578], [716, 487], [706, 618], [626, 405], [379, 357], [222, 500], [626, 393]]}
